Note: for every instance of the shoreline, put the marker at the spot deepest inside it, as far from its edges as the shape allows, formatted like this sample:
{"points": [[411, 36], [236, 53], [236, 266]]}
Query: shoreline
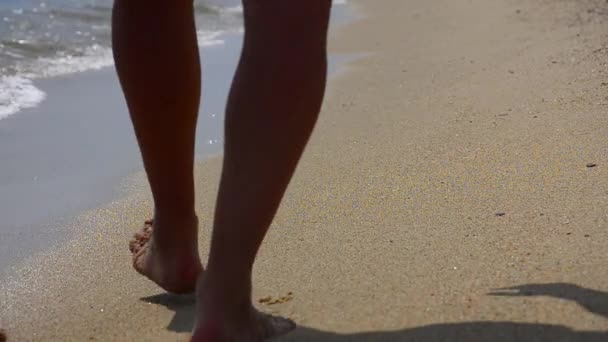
{"points": [[390, 229], [77, 148]]}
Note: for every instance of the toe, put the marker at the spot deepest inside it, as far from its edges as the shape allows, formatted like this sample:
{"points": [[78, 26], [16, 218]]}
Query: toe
{"points": [[138, 260], [141, 238], [137, 242], [144, 234], [134, 246]]}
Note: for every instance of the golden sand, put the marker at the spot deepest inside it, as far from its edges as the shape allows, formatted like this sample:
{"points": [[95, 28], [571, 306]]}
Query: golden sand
{"points": [[457, 111]]}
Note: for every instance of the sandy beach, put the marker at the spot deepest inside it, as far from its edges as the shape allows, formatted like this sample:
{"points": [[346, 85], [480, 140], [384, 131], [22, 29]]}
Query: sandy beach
{"points": [[455, 189]]}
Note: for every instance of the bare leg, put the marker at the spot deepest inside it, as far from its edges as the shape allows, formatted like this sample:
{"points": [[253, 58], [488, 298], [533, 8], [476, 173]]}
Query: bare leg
{"points": [[158, 65], [272, 108]]}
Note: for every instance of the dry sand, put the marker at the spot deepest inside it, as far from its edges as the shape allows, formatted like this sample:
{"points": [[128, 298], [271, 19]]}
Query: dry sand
{"points": [[450, 160]]}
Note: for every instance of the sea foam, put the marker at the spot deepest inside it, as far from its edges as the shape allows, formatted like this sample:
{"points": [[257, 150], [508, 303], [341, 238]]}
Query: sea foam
{"points": [[18, 92]]}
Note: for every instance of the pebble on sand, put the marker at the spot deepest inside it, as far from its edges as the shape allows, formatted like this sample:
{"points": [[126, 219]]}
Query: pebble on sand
{"points": [[590, 165], [500, 213]]}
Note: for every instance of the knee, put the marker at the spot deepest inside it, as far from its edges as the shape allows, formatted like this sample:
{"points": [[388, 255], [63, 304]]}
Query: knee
{"points": [[283, 20], [292, 12], [309, 5], [150, 5]]}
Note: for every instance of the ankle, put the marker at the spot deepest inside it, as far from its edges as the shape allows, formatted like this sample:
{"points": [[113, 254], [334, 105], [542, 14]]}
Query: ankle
{"points": [[164, 216], [226, 288], [170, 229]]}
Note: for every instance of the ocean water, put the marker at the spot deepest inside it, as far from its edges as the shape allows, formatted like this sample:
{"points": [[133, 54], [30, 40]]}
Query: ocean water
{"points": [[45, 38]]}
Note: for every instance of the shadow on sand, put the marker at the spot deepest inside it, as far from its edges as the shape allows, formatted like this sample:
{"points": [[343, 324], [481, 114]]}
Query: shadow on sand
{"points": [[592, 300], [183, 306]]}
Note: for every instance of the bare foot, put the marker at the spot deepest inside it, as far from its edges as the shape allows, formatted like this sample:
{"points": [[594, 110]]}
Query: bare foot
{"points": [[173, 262], [230, 320], [261, 327]]}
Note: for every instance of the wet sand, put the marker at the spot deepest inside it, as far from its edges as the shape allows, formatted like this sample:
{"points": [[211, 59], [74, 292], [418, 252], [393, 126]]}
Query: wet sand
{"points": [[451, 161]]}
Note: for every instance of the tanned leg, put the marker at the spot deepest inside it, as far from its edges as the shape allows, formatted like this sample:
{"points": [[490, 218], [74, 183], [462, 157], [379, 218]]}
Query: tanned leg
{"points": [[273, 105], [158, 66]]}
